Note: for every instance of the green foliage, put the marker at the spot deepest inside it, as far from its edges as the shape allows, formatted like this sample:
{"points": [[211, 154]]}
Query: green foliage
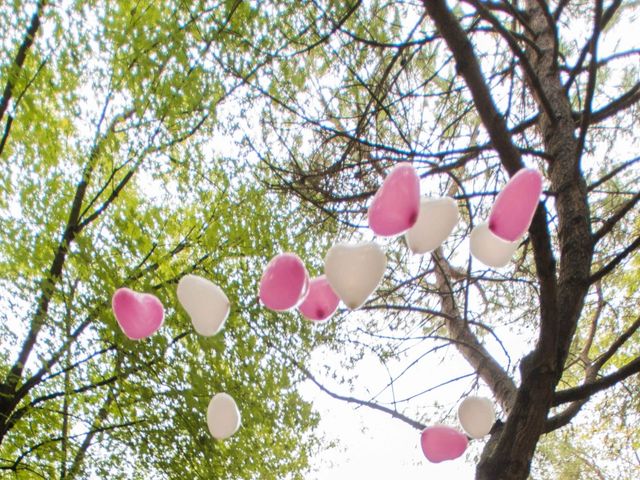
{"points": [[115, 111], [146, 140]]}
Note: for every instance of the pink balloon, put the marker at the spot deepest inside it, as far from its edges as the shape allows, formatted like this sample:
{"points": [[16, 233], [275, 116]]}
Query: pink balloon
{"points": [[138, 314], [284, 283], [440, 443], [321, 302], [515, 205], [396, 204]]}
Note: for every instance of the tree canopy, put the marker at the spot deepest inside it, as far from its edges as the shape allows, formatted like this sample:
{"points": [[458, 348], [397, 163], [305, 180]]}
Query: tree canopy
{"points": [[142, 141], [113, 175], [470, 93]]}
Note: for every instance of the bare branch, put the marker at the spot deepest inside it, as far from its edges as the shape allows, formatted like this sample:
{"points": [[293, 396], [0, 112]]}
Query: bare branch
{"points": [[579, 396], [615, 346], [613, 220], [96, 428], [564, 418], [615, 261], [467, 343], [531, 77], [591, 82], [469, 67], [588, 389], [561, 6], [613, 173], [624, 101], [373, 405], [605, 18]]}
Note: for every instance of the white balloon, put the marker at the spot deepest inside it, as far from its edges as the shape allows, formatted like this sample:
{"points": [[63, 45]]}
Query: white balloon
{"points": [[205, 302], [477, 416], [490, 249], [436, 220], [223, 416], [354, 271]]}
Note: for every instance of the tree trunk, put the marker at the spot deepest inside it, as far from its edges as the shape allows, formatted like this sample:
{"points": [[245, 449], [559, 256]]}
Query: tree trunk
{"points": [[509, 455]]}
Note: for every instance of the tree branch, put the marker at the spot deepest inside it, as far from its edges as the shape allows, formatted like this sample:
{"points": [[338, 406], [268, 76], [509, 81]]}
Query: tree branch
{"points": [[591, 82], [469, 68], [564, 418], [52, 277], [79, 457], [621, 340], [18, 61], [615, 261], [530, 75], [613, 173], [510, 157], [588, 389], [467, 343], [613, 220], [605, 18], [19, 413], [624, 101], [375, 406], [5, 133]]}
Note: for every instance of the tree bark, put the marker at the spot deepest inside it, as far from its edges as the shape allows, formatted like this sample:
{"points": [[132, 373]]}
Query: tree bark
{"points": [[487, 368], [542, 370], [508, 454]]}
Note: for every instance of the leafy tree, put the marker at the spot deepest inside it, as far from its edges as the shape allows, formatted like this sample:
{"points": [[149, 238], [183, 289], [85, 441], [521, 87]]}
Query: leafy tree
{"points": [[112, 176], [470, 93], [107, 113]]}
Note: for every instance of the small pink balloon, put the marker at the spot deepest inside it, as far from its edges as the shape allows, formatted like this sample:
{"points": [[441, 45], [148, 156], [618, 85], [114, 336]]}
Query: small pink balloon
{"points": [[515, 205], [138, 314], [395, 206], [440, 443], [284, 283], [321, 302]]}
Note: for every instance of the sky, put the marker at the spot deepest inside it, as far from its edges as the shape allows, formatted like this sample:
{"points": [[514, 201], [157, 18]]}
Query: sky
{"points": [[371, 444]]}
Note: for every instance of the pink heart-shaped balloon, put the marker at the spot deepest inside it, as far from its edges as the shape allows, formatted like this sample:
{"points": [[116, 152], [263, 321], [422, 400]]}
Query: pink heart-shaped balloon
{"points": [[440, 443], [321, 302], [515, 205], [284, 283], [395, 206], [138, 314]]}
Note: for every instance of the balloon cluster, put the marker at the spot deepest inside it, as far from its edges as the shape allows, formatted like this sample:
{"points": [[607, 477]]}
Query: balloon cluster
{"points": [[352, 272], [140, 315], [494, 242], [440, 442]]}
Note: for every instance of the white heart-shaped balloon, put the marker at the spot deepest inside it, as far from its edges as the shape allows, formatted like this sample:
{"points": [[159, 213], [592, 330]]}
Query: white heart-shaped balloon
{"points": [[477, 416], [489, 248], [354, 271], [436, 220], [223, 416], [205, 302]]}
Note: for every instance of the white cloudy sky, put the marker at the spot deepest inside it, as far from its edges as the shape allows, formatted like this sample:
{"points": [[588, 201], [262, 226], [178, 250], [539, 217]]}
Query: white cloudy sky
{"points": [[372, 444]]}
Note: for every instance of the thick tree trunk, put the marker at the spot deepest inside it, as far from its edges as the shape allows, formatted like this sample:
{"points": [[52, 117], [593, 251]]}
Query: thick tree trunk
{"points": [[509, 456]]}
